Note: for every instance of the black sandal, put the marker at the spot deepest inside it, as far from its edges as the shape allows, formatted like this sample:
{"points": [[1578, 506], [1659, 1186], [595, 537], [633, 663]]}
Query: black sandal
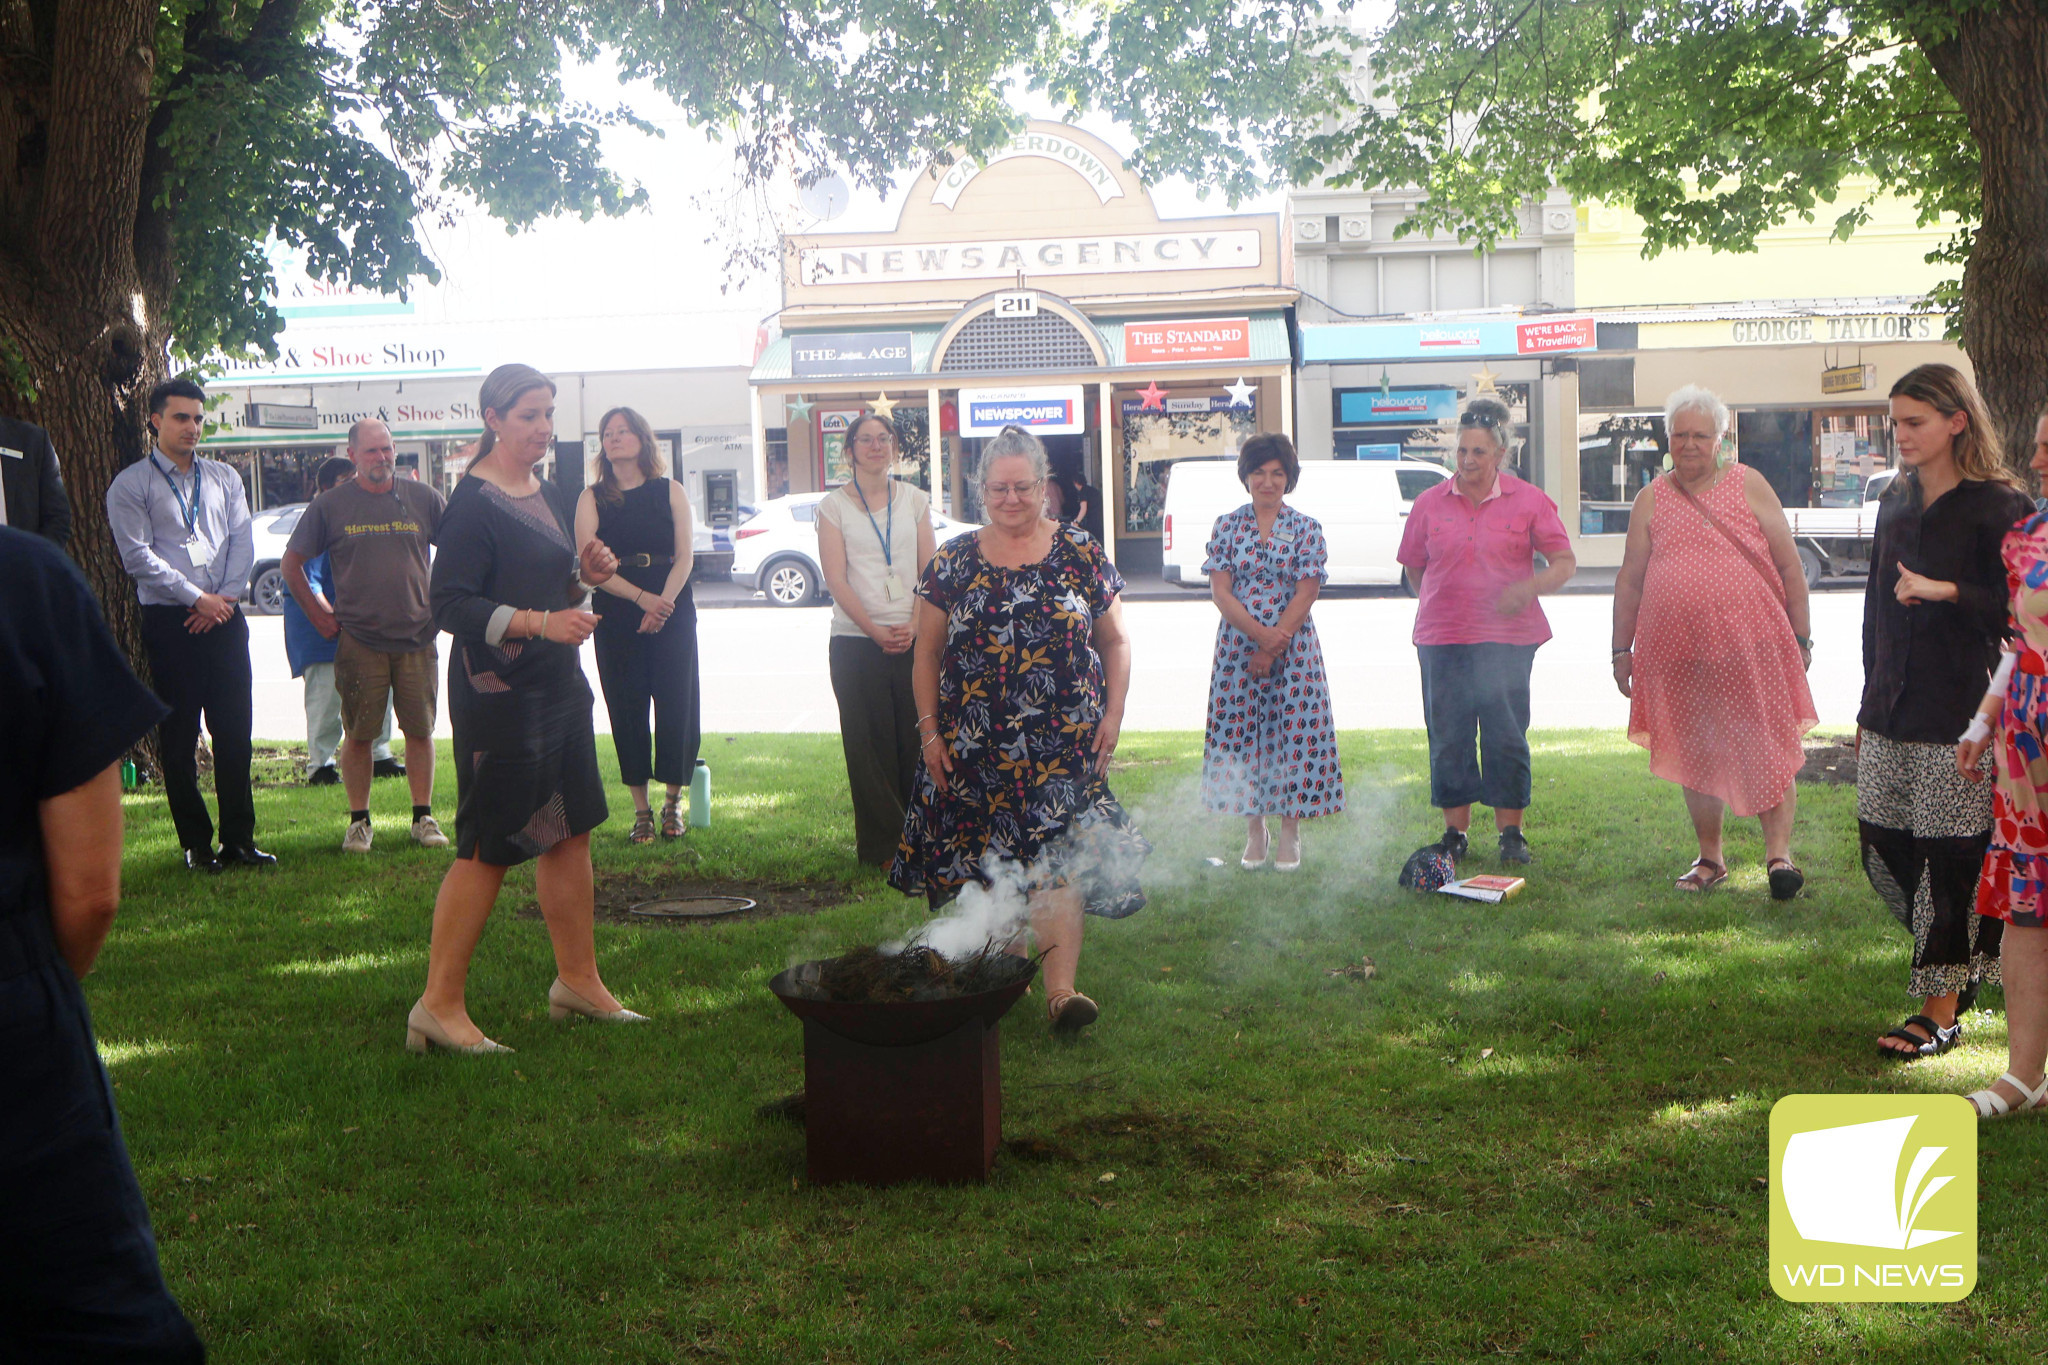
{"points": [[1937, 1041], [1785, 879]]}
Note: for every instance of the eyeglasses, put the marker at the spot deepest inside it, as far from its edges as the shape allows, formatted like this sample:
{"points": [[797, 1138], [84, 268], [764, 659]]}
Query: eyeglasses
{"points": [[996, 492], [872, 442]]}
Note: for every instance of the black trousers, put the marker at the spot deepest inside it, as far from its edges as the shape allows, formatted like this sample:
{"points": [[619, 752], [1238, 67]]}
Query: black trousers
{"points": [[878, 728], [79, 1280], [1475, 701], [658, 671], [207, 674]]}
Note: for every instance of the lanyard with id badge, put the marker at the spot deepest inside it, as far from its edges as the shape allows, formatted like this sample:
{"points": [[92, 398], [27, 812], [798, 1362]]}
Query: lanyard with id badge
{"points": [[892, 591], [197, 547]]}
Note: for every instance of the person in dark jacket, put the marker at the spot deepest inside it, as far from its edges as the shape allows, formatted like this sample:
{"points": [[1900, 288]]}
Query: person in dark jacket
{"points": [[1933, 617], [79, 1278], [31, 486]]}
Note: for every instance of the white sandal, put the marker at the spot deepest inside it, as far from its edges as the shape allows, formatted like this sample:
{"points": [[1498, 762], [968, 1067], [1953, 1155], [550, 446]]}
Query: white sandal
{"points": [[1992, 1105]]}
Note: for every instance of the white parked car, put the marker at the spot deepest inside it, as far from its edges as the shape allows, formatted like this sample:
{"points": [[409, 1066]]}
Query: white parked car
{"points": [[776, 549], [271, 530], [1362, 504]]}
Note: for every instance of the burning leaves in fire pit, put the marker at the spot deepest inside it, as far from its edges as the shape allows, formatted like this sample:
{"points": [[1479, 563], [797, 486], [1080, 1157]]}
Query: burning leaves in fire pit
{"points": [[870, 976]]}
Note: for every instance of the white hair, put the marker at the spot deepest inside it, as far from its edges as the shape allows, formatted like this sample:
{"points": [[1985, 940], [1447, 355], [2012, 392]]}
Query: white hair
{"points": [[1011, 442], [1693, 398]]}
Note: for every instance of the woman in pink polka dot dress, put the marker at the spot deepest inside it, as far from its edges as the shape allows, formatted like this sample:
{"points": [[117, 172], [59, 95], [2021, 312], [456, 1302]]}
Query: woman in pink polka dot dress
{"points": [[1710, 642]]}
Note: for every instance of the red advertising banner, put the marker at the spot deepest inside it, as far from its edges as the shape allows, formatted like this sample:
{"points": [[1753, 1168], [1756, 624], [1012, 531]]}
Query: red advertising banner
{"points": [[1553, 334], [1188, 339]]}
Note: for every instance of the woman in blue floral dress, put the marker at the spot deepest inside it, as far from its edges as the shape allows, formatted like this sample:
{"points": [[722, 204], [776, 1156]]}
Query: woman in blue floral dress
{"points": [[1272, 745], [1021, 670]]}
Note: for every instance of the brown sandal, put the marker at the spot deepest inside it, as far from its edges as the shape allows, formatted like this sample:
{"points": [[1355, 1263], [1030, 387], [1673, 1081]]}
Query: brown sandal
{"points": [[1704, 875], [1070, 1012], [643, 828]]}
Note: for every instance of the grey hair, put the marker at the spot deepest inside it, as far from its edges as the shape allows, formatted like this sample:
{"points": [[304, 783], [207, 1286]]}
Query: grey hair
{"points": [[1693, 398], [357, 427], [1013, 441]]}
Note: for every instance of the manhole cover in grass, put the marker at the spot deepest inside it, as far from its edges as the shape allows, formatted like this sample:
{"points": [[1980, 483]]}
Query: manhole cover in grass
{"points": [[690, 907]]}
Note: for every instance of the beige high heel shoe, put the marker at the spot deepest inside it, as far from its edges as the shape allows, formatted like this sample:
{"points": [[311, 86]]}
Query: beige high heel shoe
{"points": [[563, 1002], [423, 1032]]}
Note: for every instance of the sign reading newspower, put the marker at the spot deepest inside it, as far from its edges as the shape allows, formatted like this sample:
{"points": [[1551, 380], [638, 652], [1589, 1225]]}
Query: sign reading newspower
{"points": [[818, 355], [1053, 410]]}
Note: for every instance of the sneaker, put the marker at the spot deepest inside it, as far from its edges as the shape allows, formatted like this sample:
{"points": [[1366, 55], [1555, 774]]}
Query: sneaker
{"points": [[357, 840], [1514, 848], [387, 767], [323, 776], [426, 832], [1454, 844]]}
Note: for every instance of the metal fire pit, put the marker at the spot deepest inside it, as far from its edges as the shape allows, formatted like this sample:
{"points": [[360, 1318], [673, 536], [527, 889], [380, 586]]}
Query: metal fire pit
{"points": [[901, 1091]]}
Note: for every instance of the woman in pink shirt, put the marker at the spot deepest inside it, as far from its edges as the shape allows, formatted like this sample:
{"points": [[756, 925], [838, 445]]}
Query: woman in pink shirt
{"points": [[1470, 548]]}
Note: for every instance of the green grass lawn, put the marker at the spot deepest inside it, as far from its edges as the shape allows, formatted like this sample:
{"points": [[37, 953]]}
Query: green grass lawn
{"points": [[1539, 1131]]}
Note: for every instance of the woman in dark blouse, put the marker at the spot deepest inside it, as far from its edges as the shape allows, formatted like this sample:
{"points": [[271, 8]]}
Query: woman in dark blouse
{"points": [[646, 639], [506, 586], [1933, 617]]}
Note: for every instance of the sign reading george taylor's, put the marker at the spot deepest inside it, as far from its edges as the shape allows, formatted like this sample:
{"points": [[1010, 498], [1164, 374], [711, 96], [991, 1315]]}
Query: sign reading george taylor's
{"points": [[1101, 254]]}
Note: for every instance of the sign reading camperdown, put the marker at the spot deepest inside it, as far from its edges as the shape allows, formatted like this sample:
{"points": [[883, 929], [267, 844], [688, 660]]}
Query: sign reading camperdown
{"points": [[1100, 175], [1105, 254]]}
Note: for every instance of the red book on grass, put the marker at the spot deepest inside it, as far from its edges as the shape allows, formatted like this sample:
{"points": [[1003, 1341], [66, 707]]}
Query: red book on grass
{"points": [[1484, 888]]}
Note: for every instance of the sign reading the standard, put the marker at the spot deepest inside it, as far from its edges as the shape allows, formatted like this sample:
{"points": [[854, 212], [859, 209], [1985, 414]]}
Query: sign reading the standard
{"points": [[1051, 410], [1150, 343], [818, 355]]}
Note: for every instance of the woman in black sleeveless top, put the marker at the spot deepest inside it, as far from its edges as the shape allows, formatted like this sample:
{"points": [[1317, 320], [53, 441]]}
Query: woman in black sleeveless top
{"points": [[647, 635]]}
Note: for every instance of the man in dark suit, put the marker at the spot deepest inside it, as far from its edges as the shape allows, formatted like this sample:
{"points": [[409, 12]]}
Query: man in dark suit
{"points": [[31, 490]]}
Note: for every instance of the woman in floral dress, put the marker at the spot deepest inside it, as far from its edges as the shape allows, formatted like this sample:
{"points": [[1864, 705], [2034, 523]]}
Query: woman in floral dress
{"points": [[1021, 670], [2012, 721], [1272, 745]]}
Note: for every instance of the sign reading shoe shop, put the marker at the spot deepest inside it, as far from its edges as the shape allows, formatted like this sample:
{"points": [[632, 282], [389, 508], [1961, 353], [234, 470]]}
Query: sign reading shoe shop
{"points": [[1035, 286]]}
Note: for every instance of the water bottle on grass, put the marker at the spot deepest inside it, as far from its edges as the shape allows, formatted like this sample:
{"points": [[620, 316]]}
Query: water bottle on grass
{"points": [[700, 797]]}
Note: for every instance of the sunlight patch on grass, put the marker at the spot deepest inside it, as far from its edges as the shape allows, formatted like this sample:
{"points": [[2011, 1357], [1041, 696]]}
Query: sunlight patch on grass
{"points": [[1710, 1114], [1476, 983], [342, 966], [711, 1000], [117, 1054]]}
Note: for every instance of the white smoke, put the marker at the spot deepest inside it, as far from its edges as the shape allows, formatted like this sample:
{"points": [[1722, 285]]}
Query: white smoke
{"points": [[990, 917]]}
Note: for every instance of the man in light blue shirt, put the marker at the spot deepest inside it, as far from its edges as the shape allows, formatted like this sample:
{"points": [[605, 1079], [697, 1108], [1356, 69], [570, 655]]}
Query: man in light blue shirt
{"points": [[181, 524]]}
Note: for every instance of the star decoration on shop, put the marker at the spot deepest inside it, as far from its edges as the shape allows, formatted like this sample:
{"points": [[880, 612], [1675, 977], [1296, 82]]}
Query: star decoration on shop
{"points": [[883, 407], [1240, 393], [1386, 383], [1152, 396], [801, 409], [1484, 380]]}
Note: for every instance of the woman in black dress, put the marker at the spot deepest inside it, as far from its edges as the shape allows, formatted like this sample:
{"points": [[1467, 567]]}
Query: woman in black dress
{"points": [[506, 586], [647, 621]]}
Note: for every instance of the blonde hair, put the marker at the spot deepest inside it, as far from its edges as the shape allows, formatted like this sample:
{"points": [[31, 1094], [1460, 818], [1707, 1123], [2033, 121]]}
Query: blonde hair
{"points": [[1976, 449], [502, 388]]}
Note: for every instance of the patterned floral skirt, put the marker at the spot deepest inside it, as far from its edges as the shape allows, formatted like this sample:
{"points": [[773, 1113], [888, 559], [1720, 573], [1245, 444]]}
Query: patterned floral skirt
{"points": [[1923, 827], [2014, 885], [1055, 823]]}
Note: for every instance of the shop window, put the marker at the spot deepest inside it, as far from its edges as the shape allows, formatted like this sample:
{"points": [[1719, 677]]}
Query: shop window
{"points": [[1514, 277], [1607, 383], [1619, 454], [913, 436], [1852, 454], [1779, 445], [778, 464], [1155, 441], [1355, 284]]}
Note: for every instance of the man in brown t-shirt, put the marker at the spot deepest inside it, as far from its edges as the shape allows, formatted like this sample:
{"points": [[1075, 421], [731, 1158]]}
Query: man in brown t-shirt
{"points": [[376, 531]]}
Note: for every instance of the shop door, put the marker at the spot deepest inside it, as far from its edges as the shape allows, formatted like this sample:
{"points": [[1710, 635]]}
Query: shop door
{"points": [[1779, 445]]}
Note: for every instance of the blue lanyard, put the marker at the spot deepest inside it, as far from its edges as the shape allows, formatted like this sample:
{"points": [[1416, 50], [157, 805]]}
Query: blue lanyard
{"points": [[888, 560], [189, 512]]}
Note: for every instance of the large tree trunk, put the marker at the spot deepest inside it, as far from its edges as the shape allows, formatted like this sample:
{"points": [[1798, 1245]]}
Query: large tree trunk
{"points": [[81, 337], [1996, 65]]}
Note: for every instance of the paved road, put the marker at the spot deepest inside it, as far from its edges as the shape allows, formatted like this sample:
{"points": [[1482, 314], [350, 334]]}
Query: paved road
{"points": [[765, 669]]}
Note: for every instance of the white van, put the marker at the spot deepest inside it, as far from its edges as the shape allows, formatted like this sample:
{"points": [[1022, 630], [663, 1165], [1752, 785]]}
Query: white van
{"points": [[1362, 504]]}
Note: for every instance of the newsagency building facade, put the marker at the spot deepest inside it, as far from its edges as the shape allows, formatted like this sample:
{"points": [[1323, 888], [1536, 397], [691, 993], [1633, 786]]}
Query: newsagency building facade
{"points": [[1039, 287]]}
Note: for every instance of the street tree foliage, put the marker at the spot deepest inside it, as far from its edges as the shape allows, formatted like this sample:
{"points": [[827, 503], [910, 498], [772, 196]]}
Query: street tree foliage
{"points": [[1717, 119], [154, 152]]}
